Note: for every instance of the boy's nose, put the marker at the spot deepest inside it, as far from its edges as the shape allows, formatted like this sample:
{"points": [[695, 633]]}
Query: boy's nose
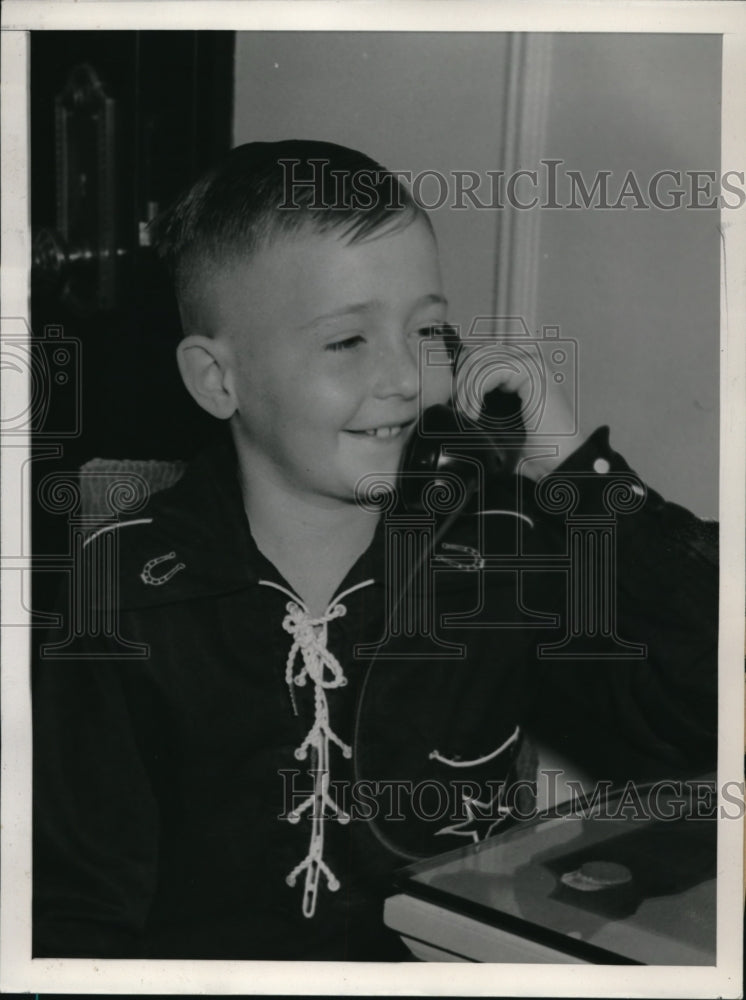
{"points": [[397, 372]]}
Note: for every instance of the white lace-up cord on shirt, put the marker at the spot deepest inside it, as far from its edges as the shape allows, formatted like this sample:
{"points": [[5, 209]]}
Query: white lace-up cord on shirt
{"points": [[322, 667]]}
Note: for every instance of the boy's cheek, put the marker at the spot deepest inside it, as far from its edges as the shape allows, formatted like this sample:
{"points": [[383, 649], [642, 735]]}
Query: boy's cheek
{"points": [[435, 386]]}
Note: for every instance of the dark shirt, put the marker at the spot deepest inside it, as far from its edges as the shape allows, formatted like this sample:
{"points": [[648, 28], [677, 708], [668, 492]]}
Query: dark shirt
{"points": [[163, 781]]}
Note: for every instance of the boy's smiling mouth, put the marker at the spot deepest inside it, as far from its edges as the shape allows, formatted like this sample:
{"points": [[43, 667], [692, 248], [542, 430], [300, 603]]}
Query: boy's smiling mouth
{"points": [[383, 432]]}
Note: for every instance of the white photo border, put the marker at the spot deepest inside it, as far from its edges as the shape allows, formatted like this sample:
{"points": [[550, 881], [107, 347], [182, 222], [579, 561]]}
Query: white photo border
{"points": [[18, 972]]}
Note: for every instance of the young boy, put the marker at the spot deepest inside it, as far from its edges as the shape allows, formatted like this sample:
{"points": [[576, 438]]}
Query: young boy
{"points": [[246, 790]]}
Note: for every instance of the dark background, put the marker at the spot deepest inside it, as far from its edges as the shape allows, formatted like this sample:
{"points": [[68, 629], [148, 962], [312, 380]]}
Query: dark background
{"points": [[172, 94]]}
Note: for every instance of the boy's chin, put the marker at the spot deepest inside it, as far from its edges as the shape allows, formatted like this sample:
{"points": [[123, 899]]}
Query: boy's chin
{"points": [[384, 470], [376, 490]]}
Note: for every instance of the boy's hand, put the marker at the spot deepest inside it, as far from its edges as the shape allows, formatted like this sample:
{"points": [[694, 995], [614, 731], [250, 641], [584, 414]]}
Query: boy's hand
{"points": [[549, 416]]}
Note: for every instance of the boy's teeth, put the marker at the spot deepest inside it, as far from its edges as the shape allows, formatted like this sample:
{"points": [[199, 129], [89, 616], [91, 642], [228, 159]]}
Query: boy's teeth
{"points": [[384, 432]]}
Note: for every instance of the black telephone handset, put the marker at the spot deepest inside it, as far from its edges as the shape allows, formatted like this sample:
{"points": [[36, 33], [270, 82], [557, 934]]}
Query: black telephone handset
{"points": [[447, 441]]}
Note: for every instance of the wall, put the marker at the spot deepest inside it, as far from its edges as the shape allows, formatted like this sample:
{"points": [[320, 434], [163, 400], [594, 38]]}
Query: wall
{"points": [[637, 289]]}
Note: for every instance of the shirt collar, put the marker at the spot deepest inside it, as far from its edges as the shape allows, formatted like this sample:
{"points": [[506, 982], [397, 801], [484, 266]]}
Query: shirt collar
{"points": [[202, 522]]}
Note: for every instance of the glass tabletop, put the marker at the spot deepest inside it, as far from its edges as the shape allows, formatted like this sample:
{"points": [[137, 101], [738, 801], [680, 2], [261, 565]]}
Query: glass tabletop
{"points": [[632, 880]]}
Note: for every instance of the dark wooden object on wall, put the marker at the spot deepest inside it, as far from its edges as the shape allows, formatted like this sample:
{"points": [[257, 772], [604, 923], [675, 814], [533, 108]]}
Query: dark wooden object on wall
{"points": [[121, 122]]}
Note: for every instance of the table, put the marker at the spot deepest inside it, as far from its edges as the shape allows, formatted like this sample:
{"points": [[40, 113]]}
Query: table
{"points": [[615, 885]]}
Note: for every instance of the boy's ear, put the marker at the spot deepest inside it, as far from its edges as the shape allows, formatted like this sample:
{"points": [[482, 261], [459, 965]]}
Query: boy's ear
{"points": [[203, 363]]}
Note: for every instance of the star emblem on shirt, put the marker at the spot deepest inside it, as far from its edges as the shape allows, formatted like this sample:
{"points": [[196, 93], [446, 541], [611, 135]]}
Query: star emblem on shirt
{"points": [[482, 818]]}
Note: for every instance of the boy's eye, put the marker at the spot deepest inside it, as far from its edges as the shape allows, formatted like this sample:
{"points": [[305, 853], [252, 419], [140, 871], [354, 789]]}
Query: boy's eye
{"points": [[437, 330], [448, 334], [346, 344]]}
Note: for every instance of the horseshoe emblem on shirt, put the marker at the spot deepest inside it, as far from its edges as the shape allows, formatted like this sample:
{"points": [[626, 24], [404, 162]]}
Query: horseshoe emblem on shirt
{"points": [[156, 581], [464, 557]]}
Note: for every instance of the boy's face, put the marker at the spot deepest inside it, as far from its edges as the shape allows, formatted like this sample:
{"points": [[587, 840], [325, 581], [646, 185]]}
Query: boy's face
{"points": [[325, 340]]}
